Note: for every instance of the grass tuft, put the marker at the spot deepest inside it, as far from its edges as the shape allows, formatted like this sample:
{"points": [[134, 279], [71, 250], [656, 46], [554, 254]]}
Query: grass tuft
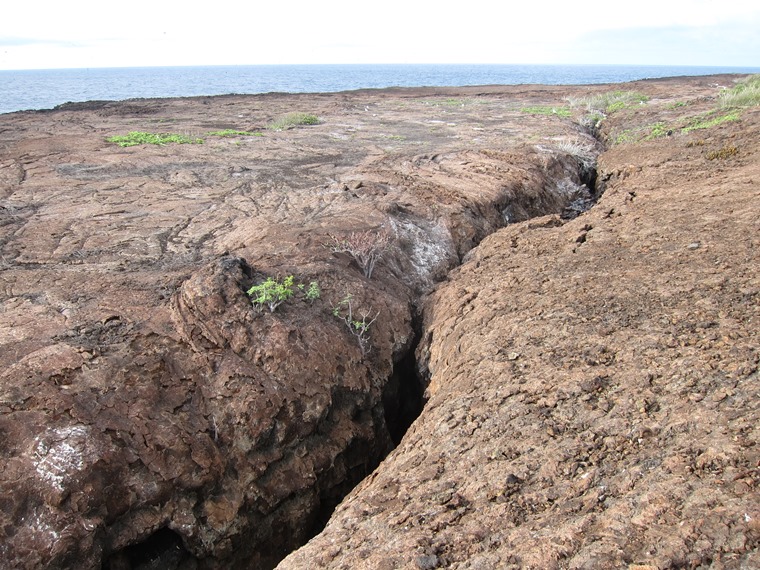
{"points": [[582, 151], [746, 93], [605, 103], [723, 153], [292, 120]]}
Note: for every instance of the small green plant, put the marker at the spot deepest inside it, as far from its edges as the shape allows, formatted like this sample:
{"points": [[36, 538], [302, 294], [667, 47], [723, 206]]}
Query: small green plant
{"points": [[292, 120], [626, 136], [358, 324], [313, 292], [703, 122], [547, 110], [271, 293], [135, 138], [658, 130], [234, 133], [746, 93], [677, 104]]}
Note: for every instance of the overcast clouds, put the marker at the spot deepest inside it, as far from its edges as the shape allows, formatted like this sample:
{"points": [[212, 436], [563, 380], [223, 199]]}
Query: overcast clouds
{"points": [[85, 33]]}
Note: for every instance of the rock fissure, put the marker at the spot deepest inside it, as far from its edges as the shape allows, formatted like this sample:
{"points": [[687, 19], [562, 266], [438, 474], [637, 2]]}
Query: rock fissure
{"points": [[212, 314]]}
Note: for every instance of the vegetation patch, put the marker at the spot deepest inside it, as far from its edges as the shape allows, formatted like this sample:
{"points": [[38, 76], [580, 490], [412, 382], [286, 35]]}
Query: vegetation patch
{"points": [[272, 292], [647, 133], [582, 151], [704, 122], [657, 131], [547, 110], [600, 105], [292, 120], [135, 138], [626, 136], [723, 153], [605, 103], [746, 93], [234, 133], [662, 129]]}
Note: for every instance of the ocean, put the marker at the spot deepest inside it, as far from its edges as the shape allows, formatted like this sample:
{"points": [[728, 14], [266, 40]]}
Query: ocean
{"points": [[44, 89]]}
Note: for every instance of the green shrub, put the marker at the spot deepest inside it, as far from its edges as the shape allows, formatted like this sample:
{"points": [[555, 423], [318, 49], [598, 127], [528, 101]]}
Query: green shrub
{"points": [[135, 138], [271, 293], [292, 120]]}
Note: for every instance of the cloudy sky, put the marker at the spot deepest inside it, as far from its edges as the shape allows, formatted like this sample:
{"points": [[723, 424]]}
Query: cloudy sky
{"points": [[41, 34]]}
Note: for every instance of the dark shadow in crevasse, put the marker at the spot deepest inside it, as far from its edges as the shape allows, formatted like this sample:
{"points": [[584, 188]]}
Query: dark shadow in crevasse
{"points": [[162, 550]]}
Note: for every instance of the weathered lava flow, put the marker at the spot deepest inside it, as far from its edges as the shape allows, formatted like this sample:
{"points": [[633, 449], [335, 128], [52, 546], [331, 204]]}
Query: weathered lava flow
{"points": [[152, 414], [379, 422]]}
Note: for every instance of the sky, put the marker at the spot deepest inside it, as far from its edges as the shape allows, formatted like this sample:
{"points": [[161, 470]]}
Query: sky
{"points": [[48, 34]]}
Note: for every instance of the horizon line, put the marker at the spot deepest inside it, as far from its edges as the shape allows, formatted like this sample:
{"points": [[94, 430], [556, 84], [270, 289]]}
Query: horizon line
{"points": [[654, 65]]}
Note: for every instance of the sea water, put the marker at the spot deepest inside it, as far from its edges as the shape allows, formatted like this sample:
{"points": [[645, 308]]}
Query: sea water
{"points": [[44, 89]]}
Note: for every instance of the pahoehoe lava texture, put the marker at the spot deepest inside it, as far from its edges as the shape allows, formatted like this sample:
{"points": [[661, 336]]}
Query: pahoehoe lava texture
{"points": [[590, 381]]}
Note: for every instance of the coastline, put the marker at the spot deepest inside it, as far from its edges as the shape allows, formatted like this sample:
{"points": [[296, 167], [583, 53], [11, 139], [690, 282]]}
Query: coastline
{"points": [[45, 89]]}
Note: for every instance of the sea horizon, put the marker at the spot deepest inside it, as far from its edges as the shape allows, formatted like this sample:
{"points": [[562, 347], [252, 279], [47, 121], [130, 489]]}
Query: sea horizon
{"points": [[37, 89]]}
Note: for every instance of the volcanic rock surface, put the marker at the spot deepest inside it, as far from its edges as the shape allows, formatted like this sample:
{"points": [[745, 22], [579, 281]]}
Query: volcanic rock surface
{"points": [[591, 383]]}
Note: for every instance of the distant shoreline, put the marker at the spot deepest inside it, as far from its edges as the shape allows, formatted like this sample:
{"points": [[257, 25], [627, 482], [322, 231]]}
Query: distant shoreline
{"points": [[45, 89]]}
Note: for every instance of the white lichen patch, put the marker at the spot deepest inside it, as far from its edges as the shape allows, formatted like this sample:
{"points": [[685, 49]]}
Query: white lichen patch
{"points": [[60, 453], [431, 245]]}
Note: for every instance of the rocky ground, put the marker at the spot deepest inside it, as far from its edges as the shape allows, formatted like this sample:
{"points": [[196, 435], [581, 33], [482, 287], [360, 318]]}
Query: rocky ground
{"points": [[590, 383]]}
